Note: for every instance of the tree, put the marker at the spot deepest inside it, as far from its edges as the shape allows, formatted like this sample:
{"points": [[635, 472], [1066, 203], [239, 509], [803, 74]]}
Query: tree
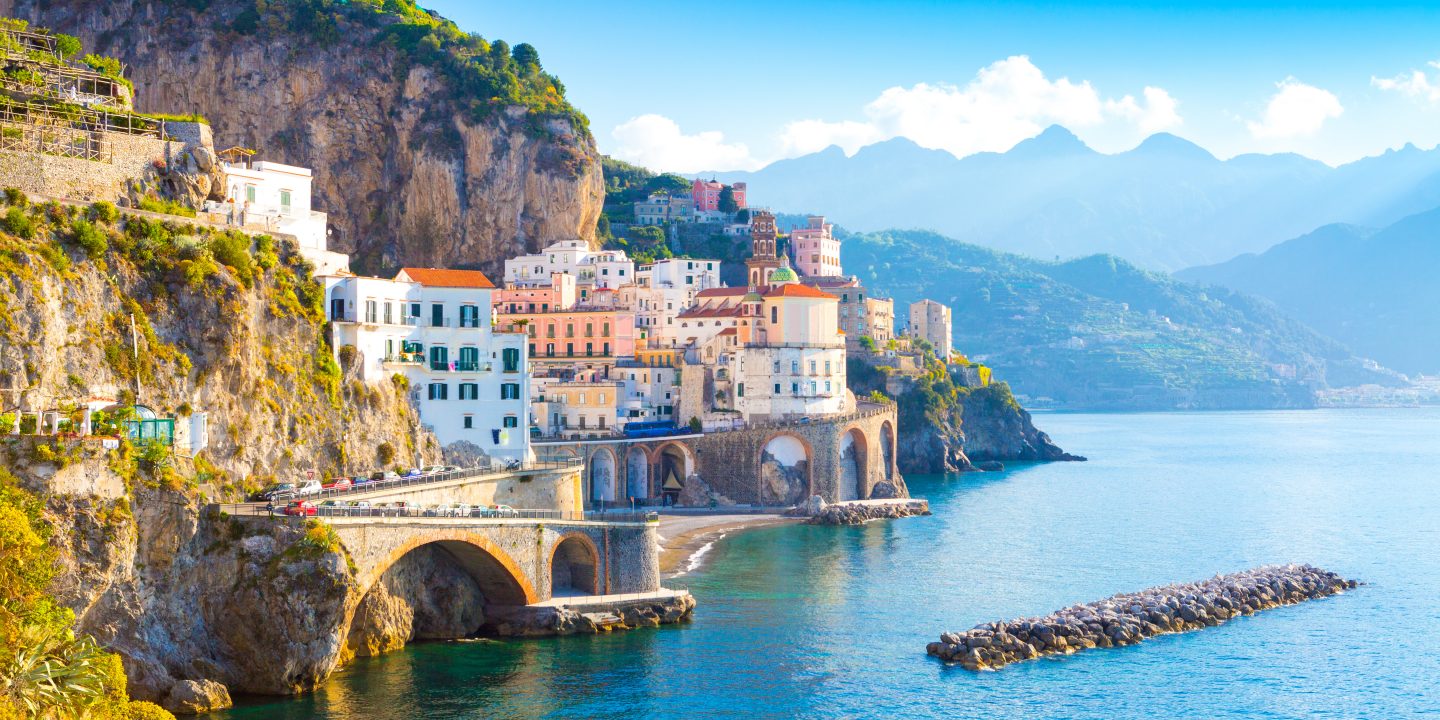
{"points": [[68, 45], [727, 200], [743, 216], [868, 343], [695, 425], [527, 57]]}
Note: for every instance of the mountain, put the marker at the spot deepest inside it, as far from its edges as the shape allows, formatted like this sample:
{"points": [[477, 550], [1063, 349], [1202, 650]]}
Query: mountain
{"points": [[429, 146], [1101, 333], [1373, 290], [1165, 205]]}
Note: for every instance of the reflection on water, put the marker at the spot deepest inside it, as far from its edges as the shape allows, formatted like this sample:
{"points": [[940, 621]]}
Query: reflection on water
{"points": [[799, 621]]}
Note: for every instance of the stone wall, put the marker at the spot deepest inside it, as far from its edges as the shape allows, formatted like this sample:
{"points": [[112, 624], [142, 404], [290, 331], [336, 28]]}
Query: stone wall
{"points": [[730, 464], [547, 490], [133, 157]]}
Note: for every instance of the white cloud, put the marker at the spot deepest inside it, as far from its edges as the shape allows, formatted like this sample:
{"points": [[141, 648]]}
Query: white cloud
{"points": [[656, 142], [1416, 85], [1158, 113], [1007, 101], [1295, 110]]}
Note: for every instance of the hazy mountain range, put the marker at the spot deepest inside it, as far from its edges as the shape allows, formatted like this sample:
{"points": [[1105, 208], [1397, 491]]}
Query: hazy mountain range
{"points": [[1098, 332], [1374, 290], [1167, 204]]}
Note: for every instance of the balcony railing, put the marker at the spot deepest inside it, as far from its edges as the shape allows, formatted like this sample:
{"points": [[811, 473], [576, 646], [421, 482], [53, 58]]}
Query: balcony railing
{"points": [[406, 358]]}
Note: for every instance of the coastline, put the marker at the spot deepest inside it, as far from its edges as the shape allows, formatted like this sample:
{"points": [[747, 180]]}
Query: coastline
{"points": [[686, 539]]}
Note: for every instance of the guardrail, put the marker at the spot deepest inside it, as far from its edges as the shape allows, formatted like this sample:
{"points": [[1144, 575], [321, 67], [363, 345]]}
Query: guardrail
{"points": [[412, 480], [386, 510]]}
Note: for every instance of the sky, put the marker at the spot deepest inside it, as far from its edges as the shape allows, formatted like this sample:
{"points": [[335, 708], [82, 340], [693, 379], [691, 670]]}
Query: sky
{"points": [[690, 87]]}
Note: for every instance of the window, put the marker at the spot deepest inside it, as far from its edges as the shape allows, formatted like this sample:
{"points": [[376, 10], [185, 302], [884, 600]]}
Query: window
{"points": [[774, 314], [589, 329], [439, 358], [510, 421], [469, 391], [369, 311], [569, 330], [510, 391], [511, 359], [388, 318], [827, 387], [582, 399], [794, 388], [438, 391], [827, 367], [415, 310], [607, 349], [469, 422], [589, 349], [469, 316], [740, 390], [569, 349], [285, 201], [794, 367], [250, 193], [469, 361], [777, 388], [605, 329], [549, 349], [812, 367], [602, 398], [437, 314]]}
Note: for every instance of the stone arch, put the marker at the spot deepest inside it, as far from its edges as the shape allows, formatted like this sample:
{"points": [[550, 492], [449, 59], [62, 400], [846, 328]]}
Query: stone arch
{"points": [[785, 473], [637, 472], [854, 465], [574, 566], [494, 571], [672, 461], [602, 467], [887, 449]]}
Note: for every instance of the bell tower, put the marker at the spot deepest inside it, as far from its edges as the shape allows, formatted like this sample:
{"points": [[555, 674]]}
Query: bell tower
{"points": [[763, 259]]}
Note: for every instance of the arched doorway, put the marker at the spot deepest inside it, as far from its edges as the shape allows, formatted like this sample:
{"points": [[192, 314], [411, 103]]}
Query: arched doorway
{"points": [[854, 466], [674, 466], [574, 567], [602, 476], [887, 449], [637, 474], [784, 470]]}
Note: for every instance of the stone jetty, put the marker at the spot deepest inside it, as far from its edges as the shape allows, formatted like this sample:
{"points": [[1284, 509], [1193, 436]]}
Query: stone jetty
{"points": [[1132, 617], [857, 512]]}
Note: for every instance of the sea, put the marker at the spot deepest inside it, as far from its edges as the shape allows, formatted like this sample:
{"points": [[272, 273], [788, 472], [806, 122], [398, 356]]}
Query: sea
{"points": [[821, 622]]}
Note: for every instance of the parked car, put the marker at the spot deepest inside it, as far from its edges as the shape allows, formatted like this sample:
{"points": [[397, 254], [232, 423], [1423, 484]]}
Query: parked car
{"points": [[413, 472], [433, 470], [273, 491], [300, 508], [340, 484], [383, 476], [311, 487], [360, 481]]}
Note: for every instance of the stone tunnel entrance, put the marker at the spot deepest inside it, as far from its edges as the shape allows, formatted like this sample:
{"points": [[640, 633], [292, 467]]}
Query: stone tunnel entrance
{"points": [[574, 568], [433, 591]]}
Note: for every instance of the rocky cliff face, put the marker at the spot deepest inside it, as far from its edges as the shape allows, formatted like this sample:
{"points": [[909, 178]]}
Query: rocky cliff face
{"points": [[407, 176]]}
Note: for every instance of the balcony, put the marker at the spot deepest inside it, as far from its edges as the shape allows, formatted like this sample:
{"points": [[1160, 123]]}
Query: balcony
{"points": [[405, 359]]}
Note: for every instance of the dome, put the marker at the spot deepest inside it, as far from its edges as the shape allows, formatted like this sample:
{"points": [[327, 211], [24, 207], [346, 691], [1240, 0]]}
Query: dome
{"points": [[783, 275]]}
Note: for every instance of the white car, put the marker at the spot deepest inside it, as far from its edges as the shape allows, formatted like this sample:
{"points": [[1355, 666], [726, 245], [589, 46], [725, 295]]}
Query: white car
{"points": [[312, 487]]}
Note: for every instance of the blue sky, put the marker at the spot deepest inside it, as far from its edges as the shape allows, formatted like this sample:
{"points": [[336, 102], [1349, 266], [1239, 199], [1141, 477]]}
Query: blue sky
{"points": [[717, 86]]}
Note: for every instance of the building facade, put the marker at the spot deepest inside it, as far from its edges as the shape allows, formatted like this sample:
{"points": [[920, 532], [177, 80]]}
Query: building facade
{"points": [[930, 321], [590, 268], [815, 249], [706, 195]]}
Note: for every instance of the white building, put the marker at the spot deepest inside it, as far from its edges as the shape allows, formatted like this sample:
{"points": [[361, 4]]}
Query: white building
{"points": [[591, 268], [468, 380], [271, 196], [930, 321]]}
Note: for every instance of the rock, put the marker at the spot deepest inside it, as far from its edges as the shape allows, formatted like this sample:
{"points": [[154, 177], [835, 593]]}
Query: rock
{"points": [[1131, 618], [857, 512], [813, 506], [990, 466], [194, 697]]}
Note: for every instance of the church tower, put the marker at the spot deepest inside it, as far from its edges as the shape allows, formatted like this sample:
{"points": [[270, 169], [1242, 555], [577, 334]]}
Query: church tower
{"points": [[763, 259]]}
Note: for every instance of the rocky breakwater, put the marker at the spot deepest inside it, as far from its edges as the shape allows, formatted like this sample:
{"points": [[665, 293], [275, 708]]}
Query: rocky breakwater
{"points": [[546, 620], [1132, 617], [859, 512]]}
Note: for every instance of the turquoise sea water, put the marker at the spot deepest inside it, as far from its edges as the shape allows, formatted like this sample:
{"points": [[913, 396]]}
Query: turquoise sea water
{"points": [[800, 621]]}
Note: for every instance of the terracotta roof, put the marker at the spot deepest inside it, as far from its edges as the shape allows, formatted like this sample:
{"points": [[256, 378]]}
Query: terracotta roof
{"points": [[441, 277], [794, 290], [722, 292], [729, 331]]}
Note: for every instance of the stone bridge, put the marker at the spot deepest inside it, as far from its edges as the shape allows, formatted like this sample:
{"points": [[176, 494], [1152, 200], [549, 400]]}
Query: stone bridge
{"points": [[512, 561], [847, 457]]}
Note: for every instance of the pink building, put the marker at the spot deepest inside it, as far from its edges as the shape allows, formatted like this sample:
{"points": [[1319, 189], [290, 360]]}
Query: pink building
{"points": [[706, 194], [578, 334], [558, 295], [815, 248]]}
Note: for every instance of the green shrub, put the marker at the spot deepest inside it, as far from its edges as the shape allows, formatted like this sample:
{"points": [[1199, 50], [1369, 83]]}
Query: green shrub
{"points": [[233, 250], [168, 207], [90, 238], [68, 45], [385, 453], [16, 197], [17, 222], [104, 212]]}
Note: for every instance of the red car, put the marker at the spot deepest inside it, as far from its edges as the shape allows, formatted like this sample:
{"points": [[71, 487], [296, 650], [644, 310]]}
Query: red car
{"points": [[339, 484], [300, 508]]}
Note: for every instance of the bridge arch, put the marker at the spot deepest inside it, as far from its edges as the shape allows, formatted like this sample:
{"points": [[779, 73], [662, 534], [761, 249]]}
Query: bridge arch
{"points": [[887, 449], [637, 473], [674, 464], [498, 576], [574, 566], [854, 465], [603, 475], [785, 472]]}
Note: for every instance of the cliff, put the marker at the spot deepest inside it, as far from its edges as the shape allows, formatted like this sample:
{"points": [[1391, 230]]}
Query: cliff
{"points": [[947, 426], [227, 325], [429, 146]]}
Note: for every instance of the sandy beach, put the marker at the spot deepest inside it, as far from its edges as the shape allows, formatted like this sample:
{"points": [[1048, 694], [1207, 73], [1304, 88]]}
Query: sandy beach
{"points": [[685, 539]]}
